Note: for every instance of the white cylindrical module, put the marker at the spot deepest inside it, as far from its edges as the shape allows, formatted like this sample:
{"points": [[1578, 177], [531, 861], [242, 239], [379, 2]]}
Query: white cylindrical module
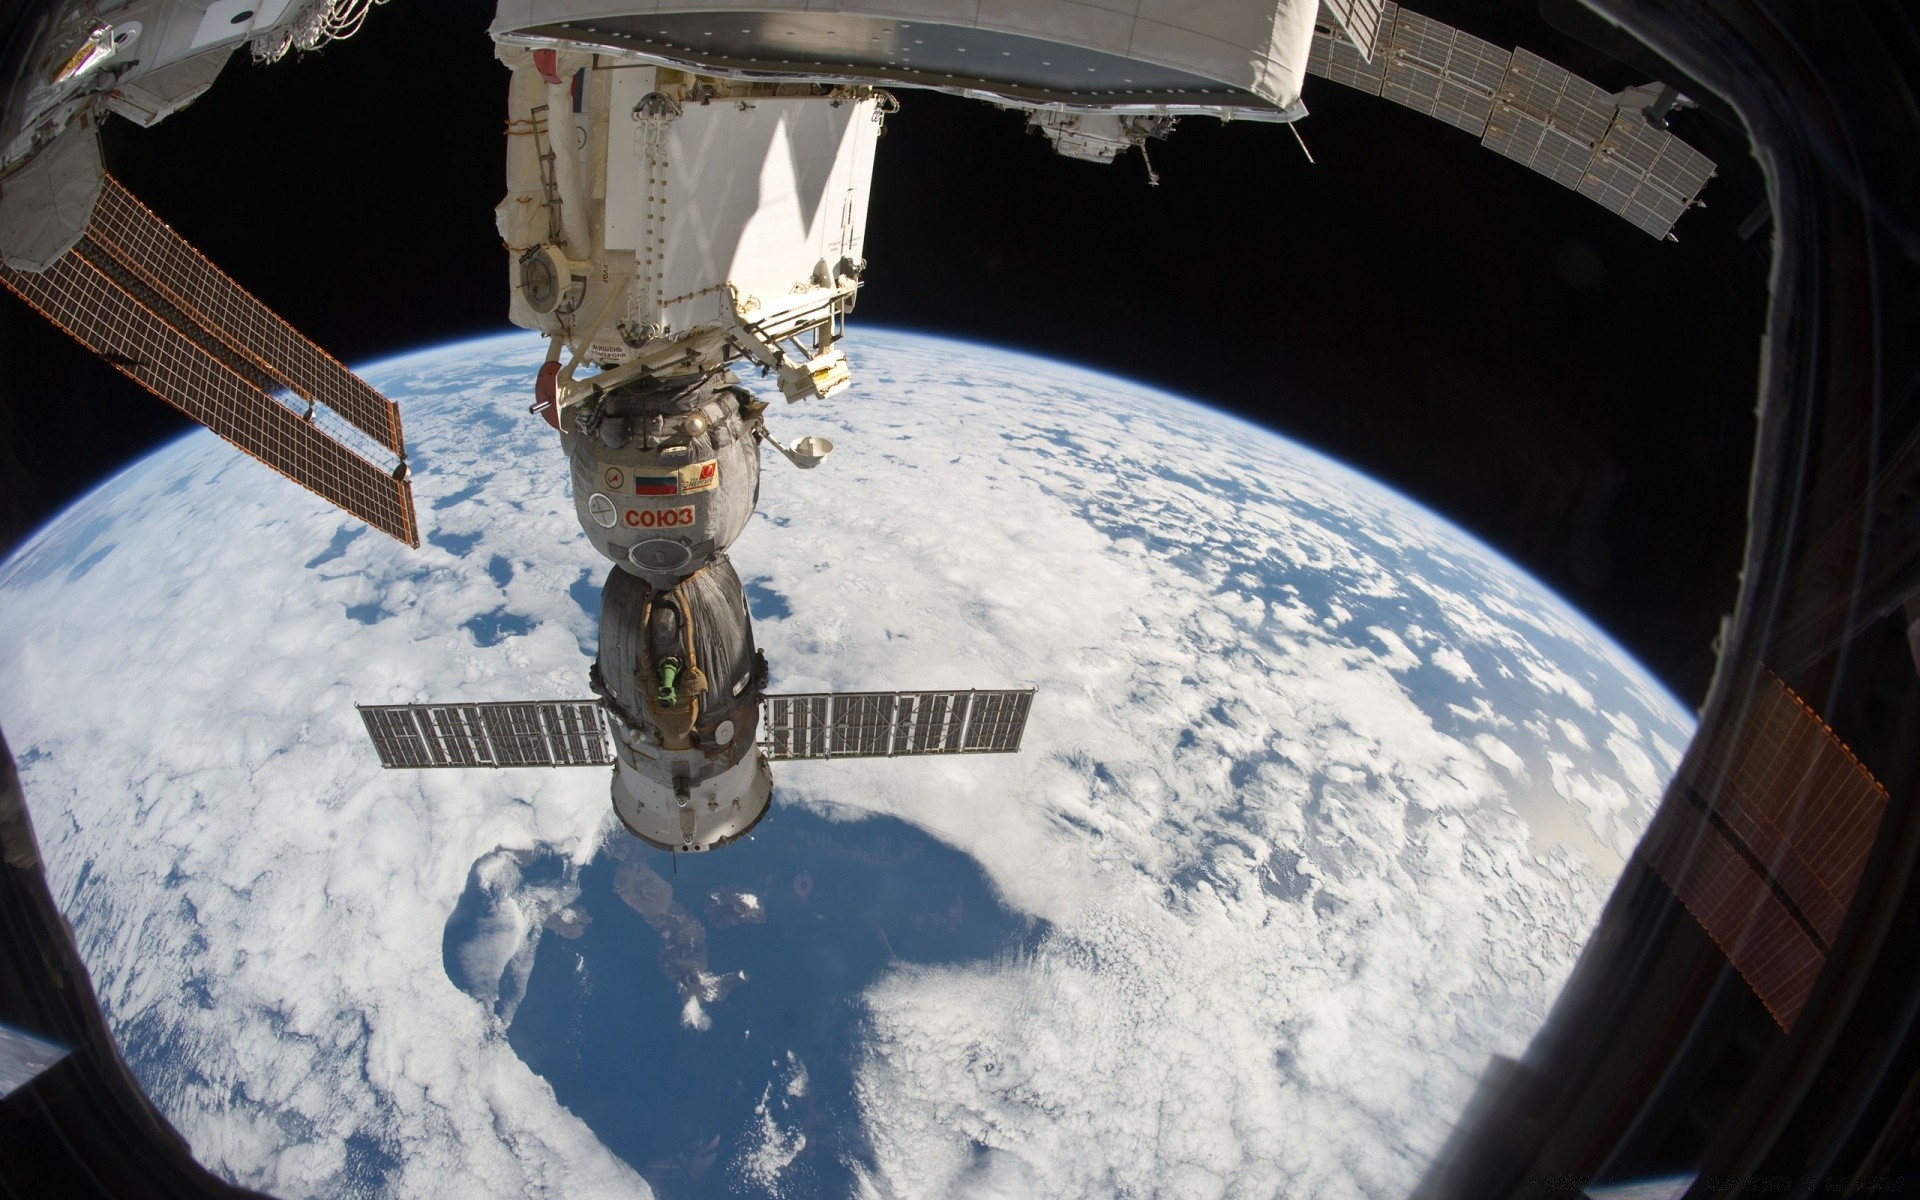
{"points": [[665, 473], [675, 812]]}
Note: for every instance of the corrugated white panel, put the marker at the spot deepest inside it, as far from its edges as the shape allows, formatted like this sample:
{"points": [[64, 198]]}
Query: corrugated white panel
{"points": [[735, 201]]}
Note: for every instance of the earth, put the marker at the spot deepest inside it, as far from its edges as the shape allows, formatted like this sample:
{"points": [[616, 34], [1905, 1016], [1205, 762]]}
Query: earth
{"points": [[1319, 800]]}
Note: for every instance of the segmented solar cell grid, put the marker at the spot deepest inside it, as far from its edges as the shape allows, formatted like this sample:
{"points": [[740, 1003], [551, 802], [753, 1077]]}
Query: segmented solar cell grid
{"points": [[1360, 20], [888, 724], [863, 724], [1733, 903], [1333, 57], [997, 720], [1548, 119], [514, 733], [1524, 107], [1438, 70], [456, 735], [929, 722], [81, 298], [795, 726], [1645, 174], [140, 239], [1764, 837], [395, 737]]}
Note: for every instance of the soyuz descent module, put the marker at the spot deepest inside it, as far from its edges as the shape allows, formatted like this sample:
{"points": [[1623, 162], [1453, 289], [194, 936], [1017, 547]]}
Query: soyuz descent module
{"points": [[687, 195]]}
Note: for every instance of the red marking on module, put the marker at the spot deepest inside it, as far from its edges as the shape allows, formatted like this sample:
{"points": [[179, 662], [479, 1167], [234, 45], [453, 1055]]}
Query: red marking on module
{"points": [[546, 393], [663, 518]]}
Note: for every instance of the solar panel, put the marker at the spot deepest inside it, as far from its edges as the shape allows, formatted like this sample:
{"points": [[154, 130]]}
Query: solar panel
{"points": [[1645, 174], [1519, 105], [131, 232], [930, 722], [1332, 56], [1547, 118], [997, 720], [1360, 20], [513, 733], [98, 300], [1764, 836], [890, 724], [1442, 72]]}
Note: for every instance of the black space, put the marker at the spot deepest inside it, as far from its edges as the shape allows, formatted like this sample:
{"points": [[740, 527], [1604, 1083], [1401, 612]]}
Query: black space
{"points": [[1570, 390]]}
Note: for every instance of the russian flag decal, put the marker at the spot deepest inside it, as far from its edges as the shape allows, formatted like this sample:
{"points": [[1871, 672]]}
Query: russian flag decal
{"points": [[656, 485]]}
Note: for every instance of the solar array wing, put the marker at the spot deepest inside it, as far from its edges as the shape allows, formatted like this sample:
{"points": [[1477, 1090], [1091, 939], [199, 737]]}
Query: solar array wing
{"points": [[997, 720], [90, 295], [1520, 105], [1547, 118], [1764, 836], [892, 724], [135, 294], [1360, 20], [1335, 55], [1645, 174], [1441, 71], [512, 733], [131, 232]]}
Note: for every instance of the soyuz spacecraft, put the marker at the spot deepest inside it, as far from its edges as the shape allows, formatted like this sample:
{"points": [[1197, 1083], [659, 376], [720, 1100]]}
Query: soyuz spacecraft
{"points": [[687, 192]]}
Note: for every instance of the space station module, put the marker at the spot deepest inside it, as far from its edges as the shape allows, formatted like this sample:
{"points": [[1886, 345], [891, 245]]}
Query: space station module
{"points": [[687, 193]]}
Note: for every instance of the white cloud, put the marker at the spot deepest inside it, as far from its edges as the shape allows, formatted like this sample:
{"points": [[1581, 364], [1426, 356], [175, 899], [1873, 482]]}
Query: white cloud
{"points": [[773, 1139], [694, 1016], [1503, 755], [1399, 657], [1646, 778], [241, 846], [1455, 664], [1183, 1026]]}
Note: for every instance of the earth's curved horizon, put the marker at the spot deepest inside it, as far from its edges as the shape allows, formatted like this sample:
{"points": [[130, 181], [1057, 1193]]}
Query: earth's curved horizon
{"points": [[1320, 798]]}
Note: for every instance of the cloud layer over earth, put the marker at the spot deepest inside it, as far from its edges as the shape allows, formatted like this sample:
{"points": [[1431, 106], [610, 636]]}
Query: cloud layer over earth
{"points": [[1318, 801]]}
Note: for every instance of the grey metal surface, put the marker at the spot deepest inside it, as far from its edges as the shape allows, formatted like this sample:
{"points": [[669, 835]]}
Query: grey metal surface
{"points": [[1441, 71], [1645, 174], [891, 724], [49, 200], [1547, 118], [513, 733]]}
